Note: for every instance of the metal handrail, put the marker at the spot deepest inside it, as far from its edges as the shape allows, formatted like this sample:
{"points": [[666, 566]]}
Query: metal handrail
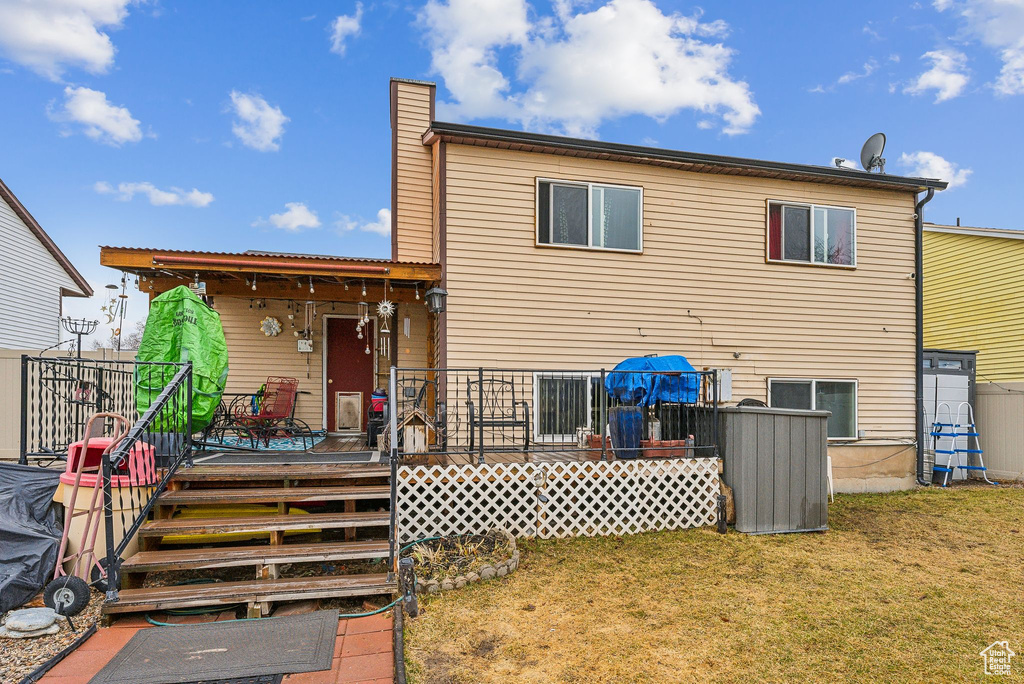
{"points": [[181, 379]]}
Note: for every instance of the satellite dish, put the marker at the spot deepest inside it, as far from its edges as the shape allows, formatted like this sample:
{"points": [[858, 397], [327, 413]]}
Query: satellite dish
{"points": [[871, 153]]}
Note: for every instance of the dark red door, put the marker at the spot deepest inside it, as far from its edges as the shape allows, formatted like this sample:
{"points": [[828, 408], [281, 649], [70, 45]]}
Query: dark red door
{"points": [[349, 367]]}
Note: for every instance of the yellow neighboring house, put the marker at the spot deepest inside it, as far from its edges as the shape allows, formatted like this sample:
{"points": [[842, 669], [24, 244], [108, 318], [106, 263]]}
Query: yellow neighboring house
{"points": [[974, 296]]}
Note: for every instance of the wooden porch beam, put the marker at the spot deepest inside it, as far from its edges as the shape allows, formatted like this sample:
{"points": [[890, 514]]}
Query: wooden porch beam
{"points": [[287, 289], [138, 260]]}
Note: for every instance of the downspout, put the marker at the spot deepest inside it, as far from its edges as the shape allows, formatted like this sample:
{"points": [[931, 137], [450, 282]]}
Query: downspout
{"points": [[919, 332]]}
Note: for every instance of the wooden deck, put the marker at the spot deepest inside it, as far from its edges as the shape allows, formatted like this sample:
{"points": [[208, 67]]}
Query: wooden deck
{"points": [[512, 457], [342, 444]]}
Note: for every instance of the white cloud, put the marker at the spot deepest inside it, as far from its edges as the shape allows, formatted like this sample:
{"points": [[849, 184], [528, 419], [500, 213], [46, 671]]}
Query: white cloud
{"points": [[157, 197], [947, 76], [931, 165], [100, 120], [296, 216], [258, 125], [48, 36], [344, 27], [577, 69], [869, 68], [998, 24], [382, 226]]}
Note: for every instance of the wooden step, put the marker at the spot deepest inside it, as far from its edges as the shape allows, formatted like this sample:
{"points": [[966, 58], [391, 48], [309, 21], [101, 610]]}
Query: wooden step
{"points": [[240, 556], [299, 471], [263, 523], [273, 495], [250, 591]]}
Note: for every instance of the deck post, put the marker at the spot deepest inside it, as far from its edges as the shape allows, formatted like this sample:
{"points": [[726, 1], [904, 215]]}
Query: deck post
{"points": [[23, 456], [602, 416], [393, 462], [480, 412]]}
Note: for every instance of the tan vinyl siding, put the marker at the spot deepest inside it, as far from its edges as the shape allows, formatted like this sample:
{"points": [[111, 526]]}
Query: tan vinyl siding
{"points": [[413, 184], [252, 356], [513, 304]]}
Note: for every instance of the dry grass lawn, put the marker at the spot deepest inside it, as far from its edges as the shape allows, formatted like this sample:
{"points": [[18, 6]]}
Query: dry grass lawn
{"points": [[905, 587]]}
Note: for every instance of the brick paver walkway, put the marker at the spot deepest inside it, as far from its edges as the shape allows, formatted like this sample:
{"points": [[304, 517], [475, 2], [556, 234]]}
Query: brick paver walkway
{"points": [[362, 651]]}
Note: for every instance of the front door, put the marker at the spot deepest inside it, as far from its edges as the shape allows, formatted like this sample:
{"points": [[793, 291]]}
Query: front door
{"points": [[349, 367]]}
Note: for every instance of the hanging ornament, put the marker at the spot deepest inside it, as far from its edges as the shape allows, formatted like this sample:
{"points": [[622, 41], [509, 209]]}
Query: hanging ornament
{"points": [[385, 309], [367, 347]]}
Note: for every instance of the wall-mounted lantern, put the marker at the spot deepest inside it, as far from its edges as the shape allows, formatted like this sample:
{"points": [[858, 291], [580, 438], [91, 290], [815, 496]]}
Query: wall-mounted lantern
{"points": [[435, 299]]}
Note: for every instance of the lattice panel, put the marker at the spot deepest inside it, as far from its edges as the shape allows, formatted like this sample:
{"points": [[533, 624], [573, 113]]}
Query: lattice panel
{"points": [[579, 499], [626, 497], [467, 499]]}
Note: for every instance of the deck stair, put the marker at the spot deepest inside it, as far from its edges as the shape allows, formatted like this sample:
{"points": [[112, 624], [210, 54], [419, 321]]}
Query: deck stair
{"points": [[346, 524]]}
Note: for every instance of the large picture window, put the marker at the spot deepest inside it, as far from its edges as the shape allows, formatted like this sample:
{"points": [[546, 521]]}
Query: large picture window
{"points": [[812, 233], [837, 396], [572, 214]]}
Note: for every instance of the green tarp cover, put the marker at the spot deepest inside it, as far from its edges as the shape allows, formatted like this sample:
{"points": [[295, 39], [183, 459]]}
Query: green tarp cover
{"points": [[181, 327]]}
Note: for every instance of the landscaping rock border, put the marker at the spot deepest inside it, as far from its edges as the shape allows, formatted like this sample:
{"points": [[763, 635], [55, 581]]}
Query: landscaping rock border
{"points": [[487, 572]]}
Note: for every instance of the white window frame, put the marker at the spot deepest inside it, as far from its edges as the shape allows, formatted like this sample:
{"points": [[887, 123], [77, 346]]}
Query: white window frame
{"points": [[590, 214], [557, 439], [814, 391], [810, 227]]}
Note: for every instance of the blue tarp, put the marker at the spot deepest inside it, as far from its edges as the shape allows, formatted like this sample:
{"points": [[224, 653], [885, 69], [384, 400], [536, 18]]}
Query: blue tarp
{"points": [[646, 384]]}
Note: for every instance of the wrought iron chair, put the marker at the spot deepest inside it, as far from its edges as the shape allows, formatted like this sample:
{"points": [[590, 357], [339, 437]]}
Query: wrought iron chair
{"points": [[261, 416], [491, 403]]}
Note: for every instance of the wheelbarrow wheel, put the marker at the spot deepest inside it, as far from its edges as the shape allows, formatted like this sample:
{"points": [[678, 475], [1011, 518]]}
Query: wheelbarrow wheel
{"points": [[98, 579], [67, 595]]}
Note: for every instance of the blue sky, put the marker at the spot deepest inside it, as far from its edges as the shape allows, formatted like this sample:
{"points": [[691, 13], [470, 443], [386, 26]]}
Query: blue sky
{"points": [[231, 126]]}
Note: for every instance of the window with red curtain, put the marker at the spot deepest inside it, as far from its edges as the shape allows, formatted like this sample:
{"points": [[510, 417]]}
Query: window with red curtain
{"points": [[774, 231]]}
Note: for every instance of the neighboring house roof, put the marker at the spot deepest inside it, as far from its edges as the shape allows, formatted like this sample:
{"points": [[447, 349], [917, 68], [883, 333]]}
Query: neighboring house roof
{"points": [[1008, 233], [688, 161], [47, 242]]}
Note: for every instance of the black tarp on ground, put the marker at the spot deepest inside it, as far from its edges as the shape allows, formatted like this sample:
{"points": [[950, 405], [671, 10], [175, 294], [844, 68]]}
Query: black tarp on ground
{"points": [[30, 531]]}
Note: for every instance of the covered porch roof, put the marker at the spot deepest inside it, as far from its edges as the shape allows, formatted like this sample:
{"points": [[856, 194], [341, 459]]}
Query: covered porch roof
{"points": [[275, 275]]}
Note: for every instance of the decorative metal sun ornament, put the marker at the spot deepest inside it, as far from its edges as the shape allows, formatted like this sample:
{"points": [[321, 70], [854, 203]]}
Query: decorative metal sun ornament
{"points": [[385, 309], [270, 326]]}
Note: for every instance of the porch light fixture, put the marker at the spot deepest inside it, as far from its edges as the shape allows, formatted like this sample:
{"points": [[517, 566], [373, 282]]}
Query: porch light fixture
{"points": [[436, 297], [364, 288], [254, 281], [311, 290], [417, 292]]}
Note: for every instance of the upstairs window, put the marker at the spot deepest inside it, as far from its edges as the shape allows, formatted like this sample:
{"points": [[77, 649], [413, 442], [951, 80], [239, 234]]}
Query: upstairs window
{"points": [[812, 234], [571, 214]]}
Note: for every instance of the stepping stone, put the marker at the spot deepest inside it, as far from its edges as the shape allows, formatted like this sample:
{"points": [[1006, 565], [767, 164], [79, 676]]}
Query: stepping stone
{"points": [[16, 634], [31, 619]]}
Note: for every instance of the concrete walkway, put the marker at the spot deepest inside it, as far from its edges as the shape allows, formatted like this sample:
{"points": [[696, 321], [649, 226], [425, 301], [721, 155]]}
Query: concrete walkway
{"points": [[362, 651]]}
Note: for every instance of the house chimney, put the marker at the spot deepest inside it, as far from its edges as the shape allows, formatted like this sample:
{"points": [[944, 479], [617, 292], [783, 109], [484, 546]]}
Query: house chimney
{"points": [[412, 111]]}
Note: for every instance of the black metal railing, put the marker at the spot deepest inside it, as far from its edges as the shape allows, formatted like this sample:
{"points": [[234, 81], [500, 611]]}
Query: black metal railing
{"points": [[139, 467], [60, 394], [575, 414]]}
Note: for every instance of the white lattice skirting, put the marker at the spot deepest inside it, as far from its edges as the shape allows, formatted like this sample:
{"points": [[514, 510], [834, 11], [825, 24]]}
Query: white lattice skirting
{"points": [[557, 499]]}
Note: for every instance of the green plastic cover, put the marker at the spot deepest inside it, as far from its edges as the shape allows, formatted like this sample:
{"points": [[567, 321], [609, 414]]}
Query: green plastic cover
{"points": [[181, 327]]}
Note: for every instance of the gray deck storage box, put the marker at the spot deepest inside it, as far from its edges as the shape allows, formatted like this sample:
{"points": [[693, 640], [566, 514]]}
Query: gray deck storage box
{"points": [[775, 460]]}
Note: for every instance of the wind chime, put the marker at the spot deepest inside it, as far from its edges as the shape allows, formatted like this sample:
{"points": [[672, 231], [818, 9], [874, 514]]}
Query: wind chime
{"points": [[385, 310], [363, 311]]}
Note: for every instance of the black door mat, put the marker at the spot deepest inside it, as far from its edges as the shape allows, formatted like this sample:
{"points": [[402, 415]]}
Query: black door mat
{"points": [[286, 457], [232, 650]]}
